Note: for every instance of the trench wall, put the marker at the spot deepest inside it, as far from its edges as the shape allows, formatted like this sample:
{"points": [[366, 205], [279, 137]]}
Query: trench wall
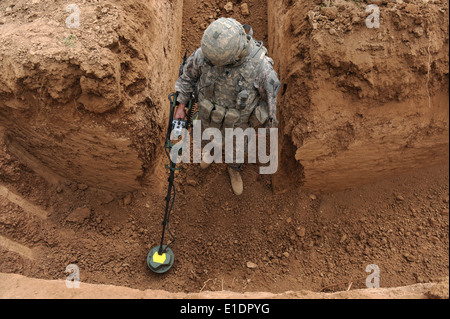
{"points": [[358, 103], [89, 102]]}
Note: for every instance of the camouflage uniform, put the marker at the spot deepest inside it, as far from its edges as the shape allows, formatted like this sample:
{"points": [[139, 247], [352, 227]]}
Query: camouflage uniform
{"points": [[241, 94], [265, 82]]}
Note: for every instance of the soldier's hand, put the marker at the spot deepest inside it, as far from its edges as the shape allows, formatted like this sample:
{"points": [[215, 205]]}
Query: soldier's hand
{"points": [[273, 122], [180, 113]]}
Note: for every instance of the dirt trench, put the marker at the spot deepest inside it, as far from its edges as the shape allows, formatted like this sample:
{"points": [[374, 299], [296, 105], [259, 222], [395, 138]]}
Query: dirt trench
{"points": [[82, 178]]}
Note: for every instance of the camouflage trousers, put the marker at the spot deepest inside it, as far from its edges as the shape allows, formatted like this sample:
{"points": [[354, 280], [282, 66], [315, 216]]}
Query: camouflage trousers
{"points": [[236, 147]]}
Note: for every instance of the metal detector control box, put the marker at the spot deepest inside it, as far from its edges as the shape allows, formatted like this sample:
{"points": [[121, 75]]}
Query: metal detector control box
{"points": [[178, 126]]}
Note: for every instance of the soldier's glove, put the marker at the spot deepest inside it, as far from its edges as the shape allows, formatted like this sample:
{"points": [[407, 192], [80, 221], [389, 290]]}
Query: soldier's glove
{"points": [[273, 122], [180, 113]]}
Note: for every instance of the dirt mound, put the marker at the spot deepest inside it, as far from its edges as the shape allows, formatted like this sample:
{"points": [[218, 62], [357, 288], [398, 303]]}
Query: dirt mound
{"points": [[16, 286], [88, 103], [360, 103]]}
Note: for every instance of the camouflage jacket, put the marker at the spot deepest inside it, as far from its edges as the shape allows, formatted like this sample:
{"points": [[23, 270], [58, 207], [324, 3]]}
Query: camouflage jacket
{"points": [[266, 81]]}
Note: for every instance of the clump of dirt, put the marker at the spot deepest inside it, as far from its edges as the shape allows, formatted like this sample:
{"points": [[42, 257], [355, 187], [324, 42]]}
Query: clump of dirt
{"points": [[359, 101], [87, 101]]}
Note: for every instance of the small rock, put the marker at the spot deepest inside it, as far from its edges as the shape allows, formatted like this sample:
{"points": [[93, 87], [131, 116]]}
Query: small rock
{"points": [[106, 198], [330, 12], [79, 215], [343, 238], [412, 8], [313, 197], [251, 265], [356, 20], [409, 257], [289, 220], [301, 231], [229, 6], [332, 31], [191, 182], [127, 199], [400, 198], [418, 32], [286, 254], [59, 189], [244, 9], [308, 245], [82, 187], [420, 279]]}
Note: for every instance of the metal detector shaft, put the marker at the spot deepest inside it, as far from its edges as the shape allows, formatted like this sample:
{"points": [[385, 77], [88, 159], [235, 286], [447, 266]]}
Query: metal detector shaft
{"points": [[173, 102], [172, 167], [168, 197], [160, 259]]}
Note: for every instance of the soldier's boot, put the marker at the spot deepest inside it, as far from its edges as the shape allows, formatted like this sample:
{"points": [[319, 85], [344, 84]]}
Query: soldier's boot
{"points": [[203, 164], [236, 181]]}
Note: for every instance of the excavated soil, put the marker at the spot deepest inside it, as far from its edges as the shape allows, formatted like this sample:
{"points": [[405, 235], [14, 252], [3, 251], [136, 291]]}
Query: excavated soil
{"points": [[276, 237]]}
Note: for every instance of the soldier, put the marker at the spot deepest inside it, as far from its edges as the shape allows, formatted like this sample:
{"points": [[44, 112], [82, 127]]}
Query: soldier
{"points": [[234, 81]]}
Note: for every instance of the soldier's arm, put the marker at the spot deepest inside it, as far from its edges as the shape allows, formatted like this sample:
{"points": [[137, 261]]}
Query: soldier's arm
{"points": [[186, 83], [269, 85]]}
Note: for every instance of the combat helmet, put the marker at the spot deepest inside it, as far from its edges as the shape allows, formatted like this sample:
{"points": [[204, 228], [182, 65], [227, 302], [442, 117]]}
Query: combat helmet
{"points": [[225, 42]]}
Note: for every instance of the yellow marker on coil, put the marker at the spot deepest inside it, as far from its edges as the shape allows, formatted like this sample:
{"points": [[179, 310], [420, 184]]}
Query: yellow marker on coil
{"points": [[160, 259]]}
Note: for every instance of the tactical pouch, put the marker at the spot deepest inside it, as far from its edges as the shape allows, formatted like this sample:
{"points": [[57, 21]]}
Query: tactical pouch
{"points": [[260, 115], [205, 107], [231, 118], [242, 99], [217, 116]]}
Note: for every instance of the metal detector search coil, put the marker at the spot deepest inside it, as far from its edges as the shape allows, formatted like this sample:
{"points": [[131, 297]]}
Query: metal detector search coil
{"points": [[160, 262]]}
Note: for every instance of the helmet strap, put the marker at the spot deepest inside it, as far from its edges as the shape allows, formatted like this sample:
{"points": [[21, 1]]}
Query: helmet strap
{"points": [[249, 29]]}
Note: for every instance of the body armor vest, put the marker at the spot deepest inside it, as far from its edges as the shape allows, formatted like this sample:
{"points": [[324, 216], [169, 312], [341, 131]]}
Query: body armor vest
{"points": [[227, 95]]}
